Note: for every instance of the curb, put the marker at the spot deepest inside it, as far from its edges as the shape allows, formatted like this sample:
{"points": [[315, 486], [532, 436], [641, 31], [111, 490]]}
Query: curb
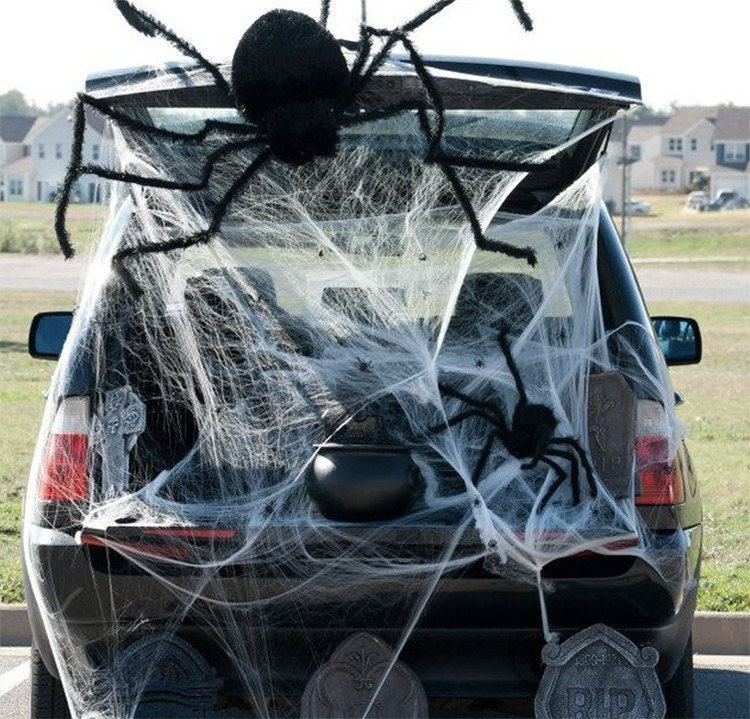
{"points": [[720, 633]]}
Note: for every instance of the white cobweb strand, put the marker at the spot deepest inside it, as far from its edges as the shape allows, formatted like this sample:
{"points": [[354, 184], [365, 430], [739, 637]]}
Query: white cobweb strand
{"points": [[331, 311]]}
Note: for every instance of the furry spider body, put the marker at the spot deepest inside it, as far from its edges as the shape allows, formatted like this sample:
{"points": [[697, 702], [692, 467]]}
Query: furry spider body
{"points": [[289, 76], [295, 91], [530, 435]]}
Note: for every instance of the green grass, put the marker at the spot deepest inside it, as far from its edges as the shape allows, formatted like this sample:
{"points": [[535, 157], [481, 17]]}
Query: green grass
{"points": [[23, 381], [697, 243], [670, 231], [28, 227], [716, 413]]}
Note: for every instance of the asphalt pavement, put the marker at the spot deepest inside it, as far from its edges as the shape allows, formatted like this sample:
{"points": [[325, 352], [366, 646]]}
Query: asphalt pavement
{"points": [[664, 281]]}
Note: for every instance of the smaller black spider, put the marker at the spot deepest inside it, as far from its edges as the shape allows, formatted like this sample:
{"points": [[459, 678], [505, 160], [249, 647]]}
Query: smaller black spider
{"points": [[530, 435], [363, 365]]}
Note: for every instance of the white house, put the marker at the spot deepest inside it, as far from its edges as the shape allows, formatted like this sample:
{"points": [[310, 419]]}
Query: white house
{"points": [[13, 131], [33, 167], [626, 158], [676, 154], [696, 146], [731, 167]]}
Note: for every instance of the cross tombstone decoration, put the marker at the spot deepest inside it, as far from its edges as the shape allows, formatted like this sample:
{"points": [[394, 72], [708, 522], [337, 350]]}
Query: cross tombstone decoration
{"points": [[599, 674], [363, 679], [115, 433]]}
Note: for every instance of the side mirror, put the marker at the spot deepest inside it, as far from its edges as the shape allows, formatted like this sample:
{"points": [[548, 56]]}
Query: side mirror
{"points": [[48, 333], [679, 339]]}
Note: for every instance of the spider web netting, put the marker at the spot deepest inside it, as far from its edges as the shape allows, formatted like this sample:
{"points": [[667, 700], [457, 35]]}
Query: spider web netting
{"points": [[307, 425]]}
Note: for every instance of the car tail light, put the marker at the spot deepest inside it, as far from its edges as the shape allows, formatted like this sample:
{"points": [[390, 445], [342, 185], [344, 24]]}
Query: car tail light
{"points": [[64, 475], [657, 466]]}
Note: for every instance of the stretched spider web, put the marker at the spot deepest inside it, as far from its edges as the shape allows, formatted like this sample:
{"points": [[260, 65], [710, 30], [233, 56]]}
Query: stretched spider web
{"points": [[319, 327]]}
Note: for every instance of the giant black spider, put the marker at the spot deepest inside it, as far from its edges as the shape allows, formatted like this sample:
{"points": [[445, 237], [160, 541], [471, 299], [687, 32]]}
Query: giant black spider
{"points": [[530, 434], [291, 83]]}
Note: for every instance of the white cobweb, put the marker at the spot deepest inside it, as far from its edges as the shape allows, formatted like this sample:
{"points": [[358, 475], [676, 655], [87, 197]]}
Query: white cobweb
{"points": [[338, 347]]}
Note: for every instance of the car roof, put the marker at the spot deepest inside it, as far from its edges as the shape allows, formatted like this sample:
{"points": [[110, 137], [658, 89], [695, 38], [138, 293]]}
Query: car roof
{"points": [[194, 84]]}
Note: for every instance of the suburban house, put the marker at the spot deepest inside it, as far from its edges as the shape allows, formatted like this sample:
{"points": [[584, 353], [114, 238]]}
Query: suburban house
{"points": [[622, 156], [731, 167], [678, 155], [34, 154], [694, 148], [13, 131]]}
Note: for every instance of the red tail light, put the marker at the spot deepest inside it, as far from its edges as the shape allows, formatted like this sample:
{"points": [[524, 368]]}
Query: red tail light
{"points": [[64, 475], [656, 463]]}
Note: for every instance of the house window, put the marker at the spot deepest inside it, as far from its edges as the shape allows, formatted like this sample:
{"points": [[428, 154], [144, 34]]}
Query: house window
{"points": [[95, 152], [674, 144], [668, 177], [693, 144], [15, 188], [41, 150], [734, 152], [635, 152], [58, 151]]}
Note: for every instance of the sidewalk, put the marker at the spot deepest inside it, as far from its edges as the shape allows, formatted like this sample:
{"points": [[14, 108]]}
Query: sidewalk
{"points": [[717, 633]]}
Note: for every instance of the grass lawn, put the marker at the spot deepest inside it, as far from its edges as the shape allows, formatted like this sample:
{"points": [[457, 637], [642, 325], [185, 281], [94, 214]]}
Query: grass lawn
{"points": [[716, 413], [670, 231], [23, 382], [28, 227]]}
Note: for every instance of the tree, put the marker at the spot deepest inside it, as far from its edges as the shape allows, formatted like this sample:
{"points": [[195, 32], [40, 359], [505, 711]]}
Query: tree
{"points": [[14, 102]]}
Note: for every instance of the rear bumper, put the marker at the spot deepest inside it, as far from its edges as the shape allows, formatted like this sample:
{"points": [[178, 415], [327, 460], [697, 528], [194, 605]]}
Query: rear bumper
{"points": [[479, 635]]}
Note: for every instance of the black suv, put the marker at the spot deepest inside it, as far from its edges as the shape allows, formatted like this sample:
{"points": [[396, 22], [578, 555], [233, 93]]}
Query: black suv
{"points": [[408, 389]]}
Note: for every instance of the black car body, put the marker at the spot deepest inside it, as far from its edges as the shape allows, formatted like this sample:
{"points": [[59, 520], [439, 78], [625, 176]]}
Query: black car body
{"points": [[260, 445]]}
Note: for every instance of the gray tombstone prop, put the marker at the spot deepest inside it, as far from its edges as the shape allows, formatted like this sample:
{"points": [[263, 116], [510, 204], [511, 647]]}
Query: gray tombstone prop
{"points": [[115, 433], [362, 680], [599, 674], [611, 417], [167, 678]]}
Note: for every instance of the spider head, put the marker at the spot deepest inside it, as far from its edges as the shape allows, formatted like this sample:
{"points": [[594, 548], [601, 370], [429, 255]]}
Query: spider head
{"points": [[288, 77]]}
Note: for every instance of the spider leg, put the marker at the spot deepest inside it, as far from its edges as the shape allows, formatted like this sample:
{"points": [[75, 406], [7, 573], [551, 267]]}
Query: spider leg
{"points": [[476, 475], [484, 409], [392, 36], [71, 175], [575, 483], [502, 338], [182, 243], [166, 183], [325, 10], [125, 120], [436, 7], [561, 477], [584, 459], [434, 136], [481, 241], [151, 27], [461, 417], [76, 169]]}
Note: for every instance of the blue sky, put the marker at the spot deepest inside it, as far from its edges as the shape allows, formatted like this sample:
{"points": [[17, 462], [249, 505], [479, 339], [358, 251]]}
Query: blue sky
{"points": [[683, 52]]}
